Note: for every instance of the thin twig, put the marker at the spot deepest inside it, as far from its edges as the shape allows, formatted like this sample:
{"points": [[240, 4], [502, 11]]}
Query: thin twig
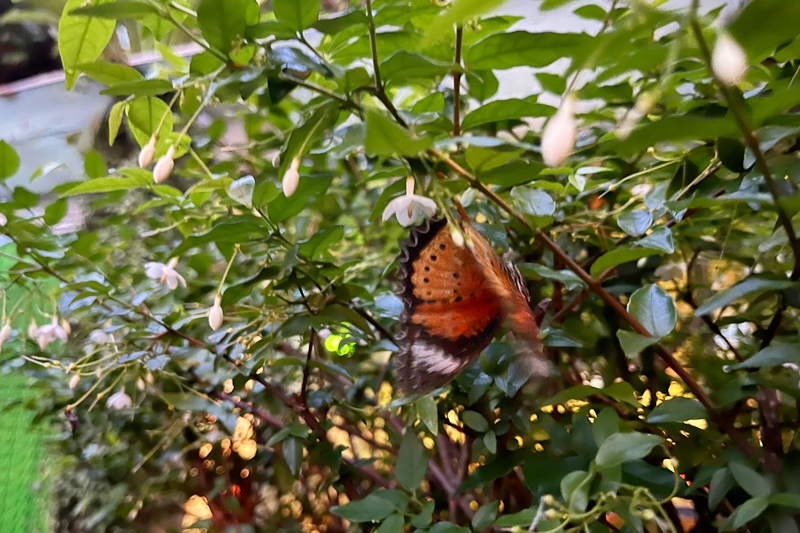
{"points": [[457, 83]]}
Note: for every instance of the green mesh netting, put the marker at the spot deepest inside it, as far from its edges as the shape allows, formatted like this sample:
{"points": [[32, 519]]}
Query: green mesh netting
{"points": [[23, 506]]}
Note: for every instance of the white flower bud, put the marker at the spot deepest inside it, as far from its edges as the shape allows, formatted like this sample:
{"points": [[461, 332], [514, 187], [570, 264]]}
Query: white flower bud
{"points": [[65, 326], [33, 329], [74, 380], [291, 178], [3, 220], [215, 314], [147, 153], [164, 166], [5, 332], [728, 60], [558, 139], [457, 236]]}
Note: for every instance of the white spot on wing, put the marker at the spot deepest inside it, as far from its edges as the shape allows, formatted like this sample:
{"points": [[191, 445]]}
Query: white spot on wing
{"points": [[430, 358]]}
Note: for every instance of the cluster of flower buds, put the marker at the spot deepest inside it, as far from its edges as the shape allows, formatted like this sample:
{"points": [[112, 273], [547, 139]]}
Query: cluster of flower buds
{"points": [[165, 163]]}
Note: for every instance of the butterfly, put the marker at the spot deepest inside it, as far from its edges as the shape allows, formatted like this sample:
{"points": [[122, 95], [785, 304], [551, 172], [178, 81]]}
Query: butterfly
{"points": [[455, 298]]}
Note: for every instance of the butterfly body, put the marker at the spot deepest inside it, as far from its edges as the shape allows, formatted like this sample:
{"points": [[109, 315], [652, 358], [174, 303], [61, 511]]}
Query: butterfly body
{"points": [[455, 299]]}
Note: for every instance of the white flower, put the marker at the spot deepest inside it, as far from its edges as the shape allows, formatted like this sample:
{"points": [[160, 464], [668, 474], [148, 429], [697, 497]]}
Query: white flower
{"points": [[74, 380], [558, 139], [147, 153], [119, 400], [323, 334], [164, 165], [409, 207], [49, 333], [99, 336], [291, 178], [728, 60], [3, 220], [165, 273], [215, 314], [5, 332], [33, 329]]}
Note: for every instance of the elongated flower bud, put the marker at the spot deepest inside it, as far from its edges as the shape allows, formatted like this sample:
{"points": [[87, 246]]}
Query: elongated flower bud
{"points": [[147, 153], [728, 60], [291, 178], [558, 139], [5, 332], [74, 380], [215, 314], [3, 220], [164, 166], [33, 329]]}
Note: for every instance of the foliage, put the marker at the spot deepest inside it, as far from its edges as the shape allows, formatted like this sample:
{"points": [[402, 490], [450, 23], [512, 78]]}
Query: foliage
{"points": [[666, 244]]}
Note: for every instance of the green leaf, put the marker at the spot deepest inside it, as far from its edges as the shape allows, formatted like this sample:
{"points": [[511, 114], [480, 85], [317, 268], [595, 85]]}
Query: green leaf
{"points": [[423, 519], [9, 161], [771, 356], [139, 88], [740, 290], [633, 343], [296, 14], [674, 129], [534, 202], [482, 159], [511, 109], [786, 500], [428, 413], [81, 39], [223, 22], [721, 483], [108, 184], [321, 242], [309, 187], [575, 490], [749, 510], [622, 392], [606, 424], [386, 138], [447, 527], [404, 65], [520, 48], [458, 12], [654, 309], [109, 73], [622, 447], [393, 524], [475, 421], [412, 461], [570, 279], [484, 516], [144, 116], [659, 239], [115, 121], [93, 165], [636, 222], [677, 409], [292, 449], [371, 508], [619, 256], [119, 9], [751, 481], [55, 212], [776, 26]]}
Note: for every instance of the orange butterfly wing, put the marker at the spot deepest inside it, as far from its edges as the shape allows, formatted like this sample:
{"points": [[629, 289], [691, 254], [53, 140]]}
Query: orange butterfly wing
{"points": [[450, 313]]}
